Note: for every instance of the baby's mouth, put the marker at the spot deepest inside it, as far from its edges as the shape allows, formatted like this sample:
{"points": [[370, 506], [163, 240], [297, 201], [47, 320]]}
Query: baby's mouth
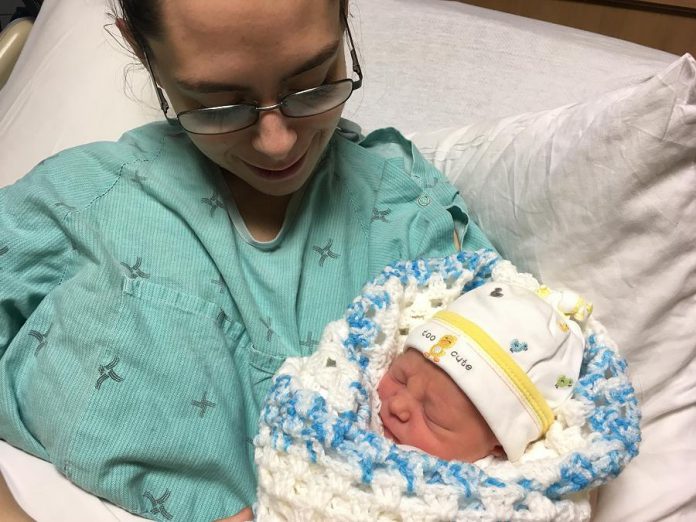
{"points": [[388, 434]]}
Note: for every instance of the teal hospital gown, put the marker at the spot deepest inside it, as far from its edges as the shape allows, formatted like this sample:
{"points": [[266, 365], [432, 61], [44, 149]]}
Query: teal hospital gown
{"points": [[140, 323]]}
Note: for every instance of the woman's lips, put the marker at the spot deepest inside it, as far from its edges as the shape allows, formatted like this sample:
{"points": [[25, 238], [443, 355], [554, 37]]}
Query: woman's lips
{"points": [[279, 174]]}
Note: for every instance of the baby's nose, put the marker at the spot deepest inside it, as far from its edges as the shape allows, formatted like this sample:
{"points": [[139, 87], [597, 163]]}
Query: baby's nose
{"points": [[401, 408]]}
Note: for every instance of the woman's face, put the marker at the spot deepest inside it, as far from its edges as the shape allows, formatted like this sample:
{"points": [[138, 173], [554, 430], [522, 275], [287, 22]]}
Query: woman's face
{"points": [[222, 52]]}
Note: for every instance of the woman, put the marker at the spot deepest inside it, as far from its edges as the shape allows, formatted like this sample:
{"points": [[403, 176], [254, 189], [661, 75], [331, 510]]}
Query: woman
{"points": [[151, 287]]}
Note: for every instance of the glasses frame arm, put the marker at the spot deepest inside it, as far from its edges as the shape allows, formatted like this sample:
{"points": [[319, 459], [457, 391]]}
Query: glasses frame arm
{"points": [[164, 104], [353, 55]]}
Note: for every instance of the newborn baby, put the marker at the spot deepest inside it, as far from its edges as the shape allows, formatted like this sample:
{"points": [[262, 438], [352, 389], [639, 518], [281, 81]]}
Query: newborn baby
{"points": [[483, 377]]}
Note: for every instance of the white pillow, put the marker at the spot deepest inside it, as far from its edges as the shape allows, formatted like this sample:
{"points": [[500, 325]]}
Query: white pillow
{"points": [[601, 197]]}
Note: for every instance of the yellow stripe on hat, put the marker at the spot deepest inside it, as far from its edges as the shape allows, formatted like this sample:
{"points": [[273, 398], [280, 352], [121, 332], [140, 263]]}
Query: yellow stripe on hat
{"points": [[530, 393]]}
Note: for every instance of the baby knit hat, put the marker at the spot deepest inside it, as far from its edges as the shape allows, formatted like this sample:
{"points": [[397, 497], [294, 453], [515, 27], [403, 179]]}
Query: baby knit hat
{"points": [[515, 352]]}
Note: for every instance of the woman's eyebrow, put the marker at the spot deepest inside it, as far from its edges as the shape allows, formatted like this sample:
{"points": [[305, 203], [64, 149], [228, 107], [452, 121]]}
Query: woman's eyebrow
{"points": [[324, 55], [202, 86]]}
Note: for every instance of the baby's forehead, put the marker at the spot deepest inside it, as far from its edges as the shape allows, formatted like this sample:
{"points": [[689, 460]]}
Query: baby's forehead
{"points": [[412, 361], [436, 387], [411, 358]]}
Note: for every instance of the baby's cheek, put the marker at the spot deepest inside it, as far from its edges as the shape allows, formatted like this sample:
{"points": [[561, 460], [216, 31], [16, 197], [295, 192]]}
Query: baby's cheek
{"points": [[422, 436], [476, 439], [386, 386]]}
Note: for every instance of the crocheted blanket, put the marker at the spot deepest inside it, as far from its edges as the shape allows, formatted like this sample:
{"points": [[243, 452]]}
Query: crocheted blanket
{"points": [[321, 454]]}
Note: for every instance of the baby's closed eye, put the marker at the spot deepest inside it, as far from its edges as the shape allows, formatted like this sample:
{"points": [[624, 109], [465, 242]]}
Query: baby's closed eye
{"points": [[397, 374], [434, 415]]}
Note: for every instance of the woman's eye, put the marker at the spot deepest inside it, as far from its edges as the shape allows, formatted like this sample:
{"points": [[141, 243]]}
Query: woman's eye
{"points": [[309, 83], [233, 101], [324, 91], [220, 101]]}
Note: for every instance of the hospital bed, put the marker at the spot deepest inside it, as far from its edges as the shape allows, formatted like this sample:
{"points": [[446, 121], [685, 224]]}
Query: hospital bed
{"points": [[576, 153]]}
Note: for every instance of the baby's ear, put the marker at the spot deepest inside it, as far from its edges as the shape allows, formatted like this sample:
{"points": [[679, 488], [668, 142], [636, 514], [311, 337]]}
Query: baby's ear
{"points": [[498, 451]]}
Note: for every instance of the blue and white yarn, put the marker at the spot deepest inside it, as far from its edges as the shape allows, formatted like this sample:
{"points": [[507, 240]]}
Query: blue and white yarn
{"points": [[321, 456]]}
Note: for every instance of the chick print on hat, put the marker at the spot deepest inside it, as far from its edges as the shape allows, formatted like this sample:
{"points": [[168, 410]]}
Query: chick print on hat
{"points": [[515, 353]]}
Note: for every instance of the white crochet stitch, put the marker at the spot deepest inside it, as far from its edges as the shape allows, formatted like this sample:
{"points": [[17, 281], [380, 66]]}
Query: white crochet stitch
{"points": [[321, 455]]}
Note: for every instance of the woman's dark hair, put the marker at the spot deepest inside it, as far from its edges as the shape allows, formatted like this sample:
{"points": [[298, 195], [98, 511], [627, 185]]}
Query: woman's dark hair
{"points": [[142, 18]]}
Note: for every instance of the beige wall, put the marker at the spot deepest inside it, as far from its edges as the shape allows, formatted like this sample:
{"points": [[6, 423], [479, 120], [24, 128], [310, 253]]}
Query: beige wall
{"points": [[670, 25]]}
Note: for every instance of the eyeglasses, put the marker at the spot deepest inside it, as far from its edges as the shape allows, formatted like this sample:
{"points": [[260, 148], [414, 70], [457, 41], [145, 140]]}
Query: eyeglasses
{"points": [[301, 104]]}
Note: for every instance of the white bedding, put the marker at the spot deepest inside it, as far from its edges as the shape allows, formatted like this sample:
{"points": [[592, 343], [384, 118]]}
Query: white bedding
{"points": [[439, 64]]}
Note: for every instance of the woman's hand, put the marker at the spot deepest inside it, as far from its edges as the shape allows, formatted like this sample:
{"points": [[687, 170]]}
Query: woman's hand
{"points": [[243, 516], [11, 512]]}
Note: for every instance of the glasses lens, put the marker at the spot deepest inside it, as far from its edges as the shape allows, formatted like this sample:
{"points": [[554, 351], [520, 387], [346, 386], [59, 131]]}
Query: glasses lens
{"points": [[317, 100], [218, 120]]}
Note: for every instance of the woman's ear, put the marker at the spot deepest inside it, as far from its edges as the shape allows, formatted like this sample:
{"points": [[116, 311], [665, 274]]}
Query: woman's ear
{"points": [[130, 39]]}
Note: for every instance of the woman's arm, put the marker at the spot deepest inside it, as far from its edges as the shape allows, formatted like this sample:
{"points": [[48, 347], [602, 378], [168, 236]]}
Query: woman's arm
{"points": [[33, 249], [11, 512], [243, 516]]}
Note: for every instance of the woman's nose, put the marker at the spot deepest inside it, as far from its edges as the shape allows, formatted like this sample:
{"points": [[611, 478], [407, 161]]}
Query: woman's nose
{"points": [[400, 407], [274, 138]]}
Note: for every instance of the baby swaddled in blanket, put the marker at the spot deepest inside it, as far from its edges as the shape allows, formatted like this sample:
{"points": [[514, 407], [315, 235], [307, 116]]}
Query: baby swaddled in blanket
{"points": [[454, 389], [481, 377]]}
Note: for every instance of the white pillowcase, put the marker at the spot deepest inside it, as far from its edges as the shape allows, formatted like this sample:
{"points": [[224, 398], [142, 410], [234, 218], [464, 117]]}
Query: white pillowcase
{"points": [[601, 197]]}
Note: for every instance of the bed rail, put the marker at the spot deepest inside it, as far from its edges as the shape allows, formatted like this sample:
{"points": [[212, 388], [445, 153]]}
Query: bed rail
{"points": [[12, 40]]}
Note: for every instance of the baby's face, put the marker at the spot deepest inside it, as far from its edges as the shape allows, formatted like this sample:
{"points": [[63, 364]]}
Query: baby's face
{"points": [[423, 407]]}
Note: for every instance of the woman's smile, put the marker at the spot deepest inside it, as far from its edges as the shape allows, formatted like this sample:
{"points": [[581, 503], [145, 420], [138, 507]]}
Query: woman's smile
{"points": [[279, 173]]}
